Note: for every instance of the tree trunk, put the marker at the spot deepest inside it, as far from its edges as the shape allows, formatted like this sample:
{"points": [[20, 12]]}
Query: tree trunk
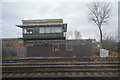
{"points": [[100, 35]]}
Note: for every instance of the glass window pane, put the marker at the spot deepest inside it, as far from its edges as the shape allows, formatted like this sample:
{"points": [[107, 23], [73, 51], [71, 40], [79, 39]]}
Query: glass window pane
{"points": [[24, 31], [42, 30], [47, 29], [29, 31], [52, 30], [56, 29], [36, 30], [56, 47]]}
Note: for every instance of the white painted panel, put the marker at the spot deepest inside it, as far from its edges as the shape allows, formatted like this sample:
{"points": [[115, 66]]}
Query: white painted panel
{"points": [[104, 53]]}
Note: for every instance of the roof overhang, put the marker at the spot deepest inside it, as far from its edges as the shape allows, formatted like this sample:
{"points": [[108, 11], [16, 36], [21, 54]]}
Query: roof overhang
{"points": [[41, 25]]}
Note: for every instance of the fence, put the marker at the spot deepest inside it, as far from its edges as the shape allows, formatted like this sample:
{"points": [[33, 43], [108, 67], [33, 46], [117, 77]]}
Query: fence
{"points": [[15, 51]]}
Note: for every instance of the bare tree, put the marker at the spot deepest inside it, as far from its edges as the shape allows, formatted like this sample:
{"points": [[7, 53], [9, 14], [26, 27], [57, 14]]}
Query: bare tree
{"points": [[99, 14], [77, 34]]}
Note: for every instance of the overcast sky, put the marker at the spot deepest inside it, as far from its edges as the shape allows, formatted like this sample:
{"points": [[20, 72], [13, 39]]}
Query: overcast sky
{"points": [[75, 14]]}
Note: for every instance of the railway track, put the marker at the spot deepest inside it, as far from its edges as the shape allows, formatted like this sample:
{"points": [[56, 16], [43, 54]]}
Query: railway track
{"points": [[61, 67], [58, 59]]}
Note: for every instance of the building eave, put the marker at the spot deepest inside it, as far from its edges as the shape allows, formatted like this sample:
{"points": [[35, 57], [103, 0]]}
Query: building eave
{"points": [[40, 25]]}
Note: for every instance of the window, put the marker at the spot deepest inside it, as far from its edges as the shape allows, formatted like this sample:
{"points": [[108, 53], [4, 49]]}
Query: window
{"points": [[24, 31], [69, 47], [36, 30], [29, 31], [56, 29], [52, 30], [56, 47], [42, 30], [47, 29]]}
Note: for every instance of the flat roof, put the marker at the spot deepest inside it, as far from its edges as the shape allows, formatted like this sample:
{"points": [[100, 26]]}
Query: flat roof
{"points": [[44, 20]]}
